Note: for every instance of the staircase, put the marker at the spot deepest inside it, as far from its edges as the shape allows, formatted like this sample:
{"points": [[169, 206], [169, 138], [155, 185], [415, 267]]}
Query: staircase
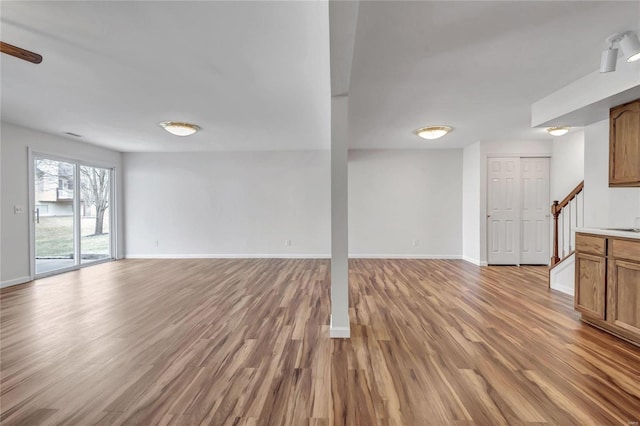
{"points": [[568, 215]]}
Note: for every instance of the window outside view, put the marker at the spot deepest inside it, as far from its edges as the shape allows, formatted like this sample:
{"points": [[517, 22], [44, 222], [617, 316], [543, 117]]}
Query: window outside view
{"points": [[54, 214]]}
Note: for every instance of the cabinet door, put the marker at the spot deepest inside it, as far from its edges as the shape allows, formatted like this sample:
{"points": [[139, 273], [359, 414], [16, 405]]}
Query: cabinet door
{"points": [[624, 145], [590, 285], [624, 295]]}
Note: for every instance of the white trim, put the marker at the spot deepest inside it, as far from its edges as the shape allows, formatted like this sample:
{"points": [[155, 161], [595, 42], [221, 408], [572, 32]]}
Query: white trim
{"points": [[339, 332], [31, 190], [77, 220], [474, 261], [405, 256], [71, 158], [15, 281], [293, 256], [229, 256], [498, 155]]}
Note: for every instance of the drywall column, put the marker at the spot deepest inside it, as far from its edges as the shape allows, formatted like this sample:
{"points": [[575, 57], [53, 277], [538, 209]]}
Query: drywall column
{"points": [[339, 218]]}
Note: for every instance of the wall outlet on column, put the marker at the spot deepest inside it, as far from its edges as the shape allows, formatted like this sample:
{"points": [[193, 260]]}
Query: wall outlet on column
{"points": [[416, 243], [287, 243], [18, 209]]}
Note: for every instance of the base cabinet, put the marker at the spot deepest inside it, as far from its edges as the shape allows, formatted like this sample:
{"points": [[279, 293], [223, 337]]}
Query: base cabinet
{"points": [[624, 295], [590, 288], [607, 286]]}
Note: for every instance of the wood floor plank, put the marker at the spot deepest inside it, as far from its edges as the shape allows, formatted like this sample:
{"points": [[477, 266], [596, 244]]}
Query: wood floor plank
{"points": [[245, 342]]}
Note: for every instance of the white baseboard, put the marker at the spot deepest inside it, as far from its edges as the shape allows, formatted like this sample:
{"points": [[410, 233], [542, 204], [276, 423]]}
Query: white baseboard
{"points": [[474, 261], [15, 281], [563, 289], [471, 260], [290, 256], [229, 256], [405, 256], [339, 332]]}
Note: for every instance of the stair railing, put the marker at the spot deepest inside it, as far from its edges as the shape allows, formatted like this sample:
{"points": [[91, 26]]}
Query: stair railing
{"points": [[568, 214]]}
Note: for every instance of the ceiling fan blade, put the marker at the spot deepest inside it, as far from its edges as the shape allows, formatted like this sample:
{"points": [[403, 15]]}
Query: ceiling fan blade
{"points": [[20, 53]]}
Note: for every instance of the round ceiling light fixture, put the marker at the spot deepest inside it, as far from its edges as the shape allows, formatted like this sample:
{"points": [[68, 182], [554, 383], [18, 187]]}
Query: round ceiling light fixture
{"points": [[179, 128], [433, 132], [557, 131]]}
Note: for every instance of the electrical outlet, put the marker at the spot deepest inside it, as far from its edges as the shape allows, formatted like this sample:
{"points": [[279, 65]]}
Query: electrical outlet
{"points": [[416, 243], [287, 242], [18, 209], [157, 243]]}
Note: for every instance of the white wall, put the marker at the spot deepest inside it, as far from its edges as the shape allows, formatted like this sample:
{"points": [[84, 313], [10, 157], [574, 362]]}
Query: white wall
{"points": [[15, 262], [397, 196], [471, 203], [605, 207], [567, 164], [227, 204], [339, 323], [567, 171], [562, 278]]}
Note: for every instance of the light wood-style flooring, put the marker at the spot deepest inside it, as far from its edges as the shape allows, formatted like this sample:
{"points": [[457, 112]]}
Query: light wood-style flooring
{"points": [[245, 342]]}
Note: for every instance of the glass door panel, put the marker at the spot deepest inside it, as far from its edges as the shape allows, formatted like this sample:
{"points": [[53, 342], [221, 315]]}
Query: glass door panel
{"points": [[95, 197], [54, 215]]}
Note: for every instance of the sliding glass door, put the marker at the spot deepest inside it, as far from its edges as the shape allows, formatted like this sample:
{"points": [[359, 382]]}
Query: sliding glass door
{"points": [[71, 214], [95, 194], [54, 215]]}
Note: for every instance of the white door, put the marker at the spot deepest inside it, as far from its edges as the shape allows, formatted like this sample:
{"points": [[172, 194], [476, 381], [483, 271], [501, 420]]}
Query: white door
{"points": [[503, 215], [535, 216]]}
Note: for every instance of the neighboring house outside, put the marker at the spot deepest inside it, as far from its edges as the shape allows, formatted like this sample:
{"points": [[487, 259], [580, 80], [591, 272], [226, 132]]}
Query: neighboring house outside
{"points": [[54, 190]]}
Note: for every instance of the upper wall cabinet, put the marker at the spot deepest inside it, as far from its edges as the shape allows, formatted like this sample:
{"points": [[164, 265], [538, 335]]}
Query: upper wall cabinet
{"points": [[624, 145]]}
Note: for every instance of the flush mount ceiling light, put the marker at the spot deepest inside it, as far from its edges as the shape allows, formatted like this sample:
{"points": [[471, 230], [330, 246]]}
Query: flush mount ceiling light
{"points": [[630, 46], [178, 128], [557, 131], [433, 132]]}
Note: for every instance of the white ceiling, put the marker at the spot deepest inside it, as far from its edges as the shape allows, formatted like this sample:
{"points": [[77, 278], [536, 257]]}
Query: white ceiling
{"points": [[255, 75], [476, 66]]}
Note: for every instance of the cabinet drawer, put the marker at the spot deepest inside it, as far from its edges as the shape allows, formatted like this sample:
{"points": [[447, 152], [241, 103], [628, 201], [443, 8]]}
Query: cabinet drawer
{"points": [[591, 244], [624, 249]]}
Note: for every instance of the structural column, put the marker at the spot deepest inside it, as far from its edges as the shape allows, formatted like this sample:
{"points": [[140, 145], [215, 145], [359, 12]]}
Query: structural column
{"points": [[339, 218]]}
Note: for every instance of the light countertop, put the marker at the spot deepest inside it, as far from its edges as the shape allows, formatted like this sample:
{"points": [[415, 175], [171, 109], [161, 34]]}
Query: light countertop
{"points": [[610, 232]]}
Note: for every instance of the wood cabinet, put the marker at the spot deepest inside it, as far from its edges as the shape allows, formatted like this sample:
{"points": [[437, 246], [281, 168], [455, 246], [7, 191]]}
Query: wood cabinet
{"points": [[624, 145], [624, 295], [607, 286], [590, 292]]}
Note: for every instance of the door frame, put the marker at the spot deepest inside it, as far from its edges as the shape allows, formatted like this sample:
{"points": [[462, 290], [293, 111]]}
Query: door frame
{"points": [[487, 157], [113, 213]]}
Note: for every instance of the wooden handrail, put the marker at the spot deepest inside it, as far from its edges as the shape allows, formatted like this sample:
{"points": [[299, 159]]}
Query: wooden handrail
{"points": [[556, 209], [562, 204]]}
